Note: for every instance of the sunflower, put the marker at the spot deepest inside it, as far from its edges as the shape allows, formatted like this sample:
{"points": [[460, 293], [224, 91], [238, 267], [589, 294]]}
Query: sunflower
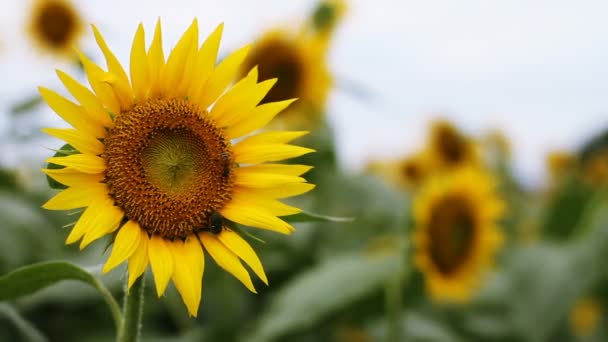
{"points": [[55, 25], [559, 163], [299, 63], [585, 316], [448, 147], [408, 173], [456, 234], [158, 164]]}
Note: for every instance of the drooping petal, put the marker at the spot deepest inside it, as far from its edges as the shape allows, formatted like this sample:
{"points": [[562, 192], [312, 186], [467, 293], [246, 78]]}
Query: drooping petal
{"points": [[259, 117], [126, 242], [188, 271], [139, 65], [161, 261], [86, 163], [72, 113], [108, 219], [89, 218], [243, 250], [226, 259], [77, 197], [81, 141], [139, 260]]}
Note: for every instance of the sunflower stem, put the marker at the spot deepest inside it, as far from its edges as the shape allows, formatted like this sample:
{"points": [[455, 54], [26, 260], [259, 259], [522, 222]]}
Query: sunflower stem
{"points": [[132, 311], [393, 303]]}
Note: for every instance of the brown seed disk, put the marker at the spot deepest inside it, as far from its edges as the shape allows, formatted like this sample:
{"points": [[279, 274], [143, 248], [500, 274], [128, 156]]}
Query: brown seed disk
{"points": [[56, 23], [168, 167], [452, 230], [278, 59]]}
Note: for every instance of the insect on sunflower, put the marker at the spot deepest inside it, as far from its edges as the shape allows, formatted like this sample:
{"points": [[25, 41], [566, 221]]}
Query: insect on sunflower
{"points": [[158, 163]]}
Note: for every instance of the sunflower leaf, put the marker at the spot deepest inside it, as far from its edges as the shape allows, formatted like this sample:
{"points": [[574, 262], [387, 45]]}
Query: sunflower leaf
{"points": [[306, 216], [65, 150], [26, 105]]}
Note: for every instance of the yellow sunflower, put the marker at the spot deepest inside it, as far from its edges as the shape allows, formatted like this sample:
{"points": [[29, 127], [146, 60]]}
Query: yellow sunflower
{"points": [[299, 63], [159, 166], [448, 147], [559, 163], [456, 233], [585, 317], [408, 173], [55, 26]]}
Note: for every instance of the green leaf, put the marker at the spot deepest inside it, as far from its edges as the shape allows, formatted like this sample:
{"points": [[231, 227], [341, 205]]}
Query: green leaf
{"points": [[25, 328], [29, 279], [306, 216], [26, 105], [331, 286], [65, 150]]}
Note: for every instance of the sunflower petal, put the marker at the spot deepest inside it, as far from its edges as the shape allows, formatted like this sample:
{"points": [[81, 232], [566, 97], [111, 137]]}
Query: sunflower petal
{"points": [[76, 197], [108, 219], [87, 99], [275, 137], [82, 162], [205, 61], [89, 218], [103, 91], [79, 140], [125, 244], [245, 197], [222, 76], [279, 169], [71, 177], [139, 260], [226, 259], [161, 261], [234, 95], [72, 113], [243, 250], [257, 118], [156, 60], [139, 65], [260, 153], [263, 180], [188, 271], [176, 63], [286, 190], [255, 217]]}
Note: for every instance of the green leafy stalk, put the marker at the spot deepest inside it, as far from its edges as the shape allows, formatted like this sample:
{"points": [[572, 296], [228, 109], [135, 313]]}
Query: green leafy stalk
{"points": [[132, 312]]}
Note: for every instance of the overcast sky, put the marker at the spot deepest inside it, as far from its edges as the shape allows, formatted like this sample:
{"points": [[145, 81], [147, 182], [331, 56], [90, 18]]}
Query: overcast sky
{"points": [[534, 68]]}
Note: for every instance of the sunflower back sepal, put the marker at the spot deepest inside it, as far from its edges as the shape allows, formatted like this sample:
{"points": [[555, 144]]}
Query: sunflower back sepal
{"points": [[65, 150]]}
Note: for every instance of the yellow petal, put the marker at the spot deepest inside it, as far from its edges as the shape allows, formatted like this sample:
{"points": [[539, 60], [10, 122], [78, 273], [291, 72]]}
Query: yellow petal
{"points": [[156, 60], [222, 76], [260, 153], [72, 113], [275, 137], [82, 162], [161, 261], [279, 169], [124, 92], [188, 271], [87, 99], [234, 94], [176, 63], [286, 190], [139, 65], [104, 92], [259, 117], [71, 177], [226, 259], [255, 217], [243, 250], [108, 219], [77, 197], [249, 179], [125, 244], [139, 260], [79, 140], [205, 61], [247, 197], [89, 218]]}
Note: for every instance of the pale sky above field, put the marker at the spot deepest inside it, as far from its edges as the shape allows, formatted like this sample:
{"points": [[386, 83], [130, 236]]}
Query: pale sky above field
{"points": [[535, 69]]}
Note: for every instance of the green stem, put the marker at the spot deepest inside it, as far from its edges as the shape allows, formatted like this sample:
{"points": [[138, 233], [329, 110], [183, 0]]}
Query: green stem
{"points": [[133, 307], [114, 307], [393, 302]]}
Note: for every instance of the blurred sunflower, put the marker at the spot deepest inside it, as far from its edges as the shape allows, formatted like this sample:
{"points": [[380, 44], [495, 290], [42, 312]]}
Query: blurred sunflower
{"points": [[408, 173], [55, 26], [585, 316], [456, 235], [595, 168], [448, 147], [298, 60], [559, 163], [156, 161]]}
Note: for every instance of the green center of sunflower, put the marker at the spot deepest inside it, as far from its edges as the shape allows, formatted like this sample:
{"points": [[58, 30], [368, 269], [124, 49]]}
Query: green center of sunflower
{"points": [[168, 167], [451, 234], [56, 23], [279, 59]]}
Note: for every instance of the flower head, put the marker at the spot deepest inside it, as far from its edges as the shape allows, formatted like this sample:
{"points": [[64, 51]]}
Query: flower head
{"points": [[157, 162], [55, 25], [456, 234]]}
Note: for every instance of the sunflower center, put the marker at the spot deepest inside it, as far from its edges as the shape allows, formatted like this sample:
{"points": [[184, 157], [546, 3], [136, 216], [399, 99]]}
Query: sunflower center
{"points": [[411, 171], [168, 167], [451, 146], [452, 233], [56, 23], [279, 59]]}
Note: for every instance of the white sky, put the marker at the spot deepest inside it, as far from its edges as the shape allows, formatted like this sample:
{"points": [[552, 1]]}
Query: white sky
{"points": [[534, 68]]}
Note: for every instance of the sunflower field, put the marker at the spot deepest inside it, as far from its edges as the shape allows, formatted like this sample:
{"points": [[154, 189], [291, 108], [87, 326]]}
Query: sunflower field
{"points": [[292, 171]]}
